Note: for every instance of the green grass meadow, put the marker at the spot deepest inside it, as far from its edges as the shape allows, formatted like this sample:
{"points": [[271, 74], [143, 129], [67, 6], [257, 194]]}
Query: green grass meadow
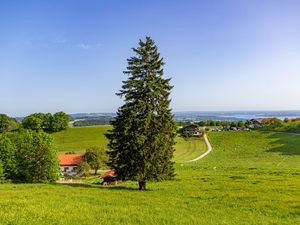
{"points": [[80, 138], [248, 178]]}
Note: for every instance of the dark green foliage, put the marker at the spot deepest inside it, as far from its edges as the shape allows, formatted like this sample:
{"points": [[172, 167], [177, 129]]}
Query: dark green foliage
{"points": [[8, 157], [2, 177], [7, 123], [225, 123], [240, 123], [273, 123], [286, 120], [70, 152], [37, 121], [212, 123], [46, 122], [248, 123], [141, 141], [95, 157], [233, 124], [83, 168], [202, 123], [60, 121], [101, 120], [29, 157], [187, 134]]}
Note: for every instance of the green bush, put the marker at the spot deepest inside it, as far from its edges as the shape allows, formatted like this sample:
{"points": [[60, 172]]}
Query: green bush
{"points": [[83, 168], [2, 177], [29, 157], [7, 123], [8, 157]]}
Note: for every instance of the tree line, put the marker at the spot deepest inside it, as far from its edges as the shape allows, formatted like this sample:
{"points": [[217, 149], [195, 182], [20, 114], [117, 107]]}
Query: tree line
{"points": [[37, 121], [46, 121], [26, 153]]}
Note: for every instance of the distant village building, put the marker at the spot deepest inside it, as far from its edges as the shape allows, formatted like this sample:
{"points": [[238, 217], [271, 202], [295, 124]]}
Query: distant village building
{"points": [[109, 178], [256, 122], [69, 162], [191, 128], [259, 122]]}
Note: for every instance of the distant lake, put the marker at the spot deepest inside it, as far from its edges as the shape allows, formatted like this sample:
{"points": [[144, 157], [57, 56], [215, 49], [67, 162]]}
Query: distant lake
{"points": [[234, 115], [201, 115]]}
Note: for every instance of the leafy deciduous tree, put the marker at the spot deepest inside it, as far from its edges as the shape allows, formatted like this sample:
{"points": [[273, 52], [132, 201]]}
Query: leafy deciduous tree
{"points": [[240, 124], [40, 121], [83, 168], [36, 160], [8, 157], [2, 177], [60, 121], [95, 157], [7, 123]]}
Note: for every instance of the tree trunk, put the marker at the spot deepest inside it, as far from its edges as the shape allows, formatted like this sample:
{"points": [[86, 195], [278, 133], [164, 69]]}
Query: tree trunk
{"points": [[142, 185], [96, 170]]}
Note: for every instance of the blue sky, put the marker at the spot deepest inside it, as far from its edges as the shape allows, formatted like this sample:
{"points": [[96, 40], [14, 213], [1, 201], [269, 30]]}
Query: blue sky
{"points": [[221, 55]]}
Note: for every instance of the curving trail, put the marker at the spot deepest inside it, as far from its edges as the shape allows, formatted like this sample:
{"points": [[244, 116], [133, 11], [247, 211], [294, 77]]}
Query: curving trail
{"points": [[209, 149]]}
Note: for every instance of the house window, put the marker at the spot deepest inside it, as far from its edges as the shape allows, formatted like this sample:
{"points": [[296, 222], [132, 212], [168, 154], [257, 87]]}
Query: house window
{"points": [[66, 169]]}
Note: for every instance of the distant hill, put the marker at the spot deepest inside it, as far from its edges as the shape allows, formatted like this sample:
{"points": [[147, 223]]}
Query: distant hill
{"points": [[90, 119]]}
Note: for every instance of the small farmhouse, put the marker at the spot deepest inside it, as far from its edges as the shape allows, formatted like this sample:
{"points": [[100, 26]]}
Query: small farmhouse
{"points": [[110, 177], [69, 162], [191, 128], [257, 122]]}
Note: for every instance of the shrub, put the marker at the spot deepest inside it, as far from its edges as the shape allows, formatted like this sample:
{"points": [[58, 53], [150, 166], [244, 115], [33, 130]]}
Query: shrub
{"points": [[96, 157], [83, 168], [35, 160], [7, 123], [2, 177], [8, 157]]}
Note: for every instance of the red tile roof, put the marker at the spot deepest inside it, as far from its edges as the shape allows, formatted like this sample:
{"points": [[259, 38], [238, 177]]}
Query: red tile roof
{"points": [[110, 173], [70, 159]]}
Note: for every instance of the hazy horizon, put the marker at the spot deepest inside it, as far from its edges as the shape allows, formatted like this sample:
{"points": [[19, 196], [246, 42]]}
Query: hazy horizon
{"points": [[295, 113], [221, 55]]}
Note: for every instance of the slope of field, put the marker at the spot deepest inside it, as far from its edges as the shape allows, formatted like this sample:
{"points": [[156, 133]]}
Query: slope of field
{"points": [[80, 138], [293, 127], [187, 149], [290, 127], [249, 178]]}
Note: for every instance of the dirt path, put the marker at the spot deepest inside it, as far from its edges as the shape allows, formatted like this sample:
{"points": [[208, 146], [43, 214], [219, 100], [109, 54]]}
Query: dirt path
{"points": [[209, 149]]}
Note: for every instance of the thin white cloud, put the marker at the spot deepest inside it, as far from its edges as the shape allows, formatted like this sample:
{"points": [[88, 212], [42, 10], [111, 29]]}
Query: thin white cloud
{"points": [[84, 46], [60, 41]]}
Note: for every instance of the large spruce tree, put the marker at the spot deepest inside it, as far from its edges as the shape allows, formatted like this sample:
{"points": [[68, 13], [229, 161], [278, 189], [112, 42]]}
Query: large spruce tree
{"points": [[141, 143]]}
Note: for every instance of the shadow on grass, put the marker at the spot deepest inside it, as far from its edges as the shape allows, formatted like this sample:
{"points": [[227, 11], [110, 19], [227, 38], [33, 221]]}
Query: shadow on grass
{"points": [[97, 186], [286, 144]]}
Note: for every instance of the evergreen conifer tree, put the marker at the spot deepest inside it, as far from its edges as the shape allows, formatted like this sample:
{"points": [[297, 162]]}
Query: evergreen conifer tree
{"points": [[141, 143]]}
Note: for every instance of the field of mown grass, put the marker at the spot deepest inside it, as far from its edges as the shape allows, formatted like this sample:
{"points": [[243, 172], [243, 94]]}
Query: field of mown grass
{"points": [[249, 178], [80, 138]]}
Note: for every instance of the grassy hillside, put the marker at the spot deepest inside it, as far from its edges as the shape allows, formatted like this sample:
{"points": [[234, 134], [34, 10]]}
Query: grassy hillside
{"points": [[187, 149], [290, 127], [249, 178], [81, 138], [293, 127]]}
